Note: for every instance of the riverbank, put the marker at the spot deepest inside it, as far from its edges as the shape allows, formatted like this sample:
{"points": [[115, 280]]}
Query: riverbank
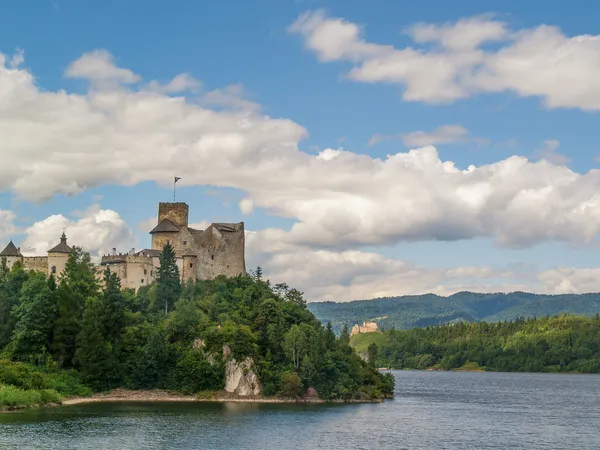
{"points": [[125, 395]]}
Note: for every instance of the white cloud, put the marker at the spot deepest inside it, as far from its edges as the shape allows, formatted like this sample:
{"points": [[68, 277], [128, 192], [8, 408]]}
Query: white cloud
{"points": [[446, 134], [230, 97], [540, 62], [337, 198], [96, 230], [330, 275], [7, 224], [180, 83], [99, 66]]}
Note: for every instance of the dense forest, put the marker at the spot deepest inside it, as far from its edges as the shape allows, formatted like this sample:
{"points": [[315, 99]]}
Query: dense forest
{"points": [[75, 335], [424, 310], [563, 343]]}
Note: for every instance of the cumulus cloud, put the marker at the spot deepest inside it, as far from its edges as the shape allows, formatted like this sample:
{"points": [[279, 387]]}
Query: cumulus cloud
{"points": [[331, 275], [99, 65], [446, 134], [96, 230], [541, 62], [180, 83], [337, 198]]}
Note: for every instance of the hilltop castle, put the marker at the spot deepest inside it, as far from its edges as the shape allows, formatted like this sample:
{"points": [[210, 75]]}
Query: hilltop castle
{"points": [[201, 255]]}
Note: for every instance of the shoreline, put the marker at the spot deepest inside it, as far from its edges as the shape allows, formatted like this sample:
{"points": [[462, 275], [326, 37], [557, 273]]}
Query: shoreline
{"points": [[157, 396]]}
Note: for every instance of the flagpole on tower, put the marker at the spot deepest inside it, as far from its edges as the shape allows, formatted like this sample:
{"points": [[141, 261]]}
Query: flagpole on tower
{"points": [[174, 183]]}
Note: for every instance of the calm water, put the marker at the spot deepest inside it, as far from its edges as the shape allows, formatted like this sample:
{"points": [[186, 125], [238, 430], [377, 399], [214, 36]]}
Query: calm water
{"points": [[432, 410]]}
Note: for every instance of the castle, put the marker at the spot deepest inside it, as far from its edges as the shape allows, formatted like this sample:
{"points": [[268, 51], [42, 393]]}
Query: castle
{"points": [[367, 327], [200, 254]]}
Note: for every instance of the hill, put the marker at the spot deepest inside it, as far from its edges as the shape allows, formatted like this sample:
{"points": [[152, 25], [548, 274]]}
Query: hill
{"points": [[412, 311], [229, 335], [562, 343]]}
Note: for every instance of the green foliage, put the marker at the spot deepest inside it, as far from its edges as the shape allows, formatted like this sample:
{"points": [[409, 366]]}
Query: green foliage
{"points": [[194, 373], [34, 315], [77, 284], [94, 356], [291, 385], [168, 280], [113, 337], [550, 344], [23, 385], [418, 311]]}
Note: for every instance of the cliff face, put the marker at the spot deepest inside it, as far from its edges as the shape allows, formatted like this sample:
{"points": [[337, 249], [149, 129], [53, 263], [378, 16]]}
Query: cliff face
{"points": [[240, 378]]}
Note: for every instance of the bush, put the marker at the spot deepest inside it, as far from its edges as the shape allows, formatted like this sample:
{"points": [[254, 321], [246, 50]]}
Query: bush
{"points": [[291, 385]]}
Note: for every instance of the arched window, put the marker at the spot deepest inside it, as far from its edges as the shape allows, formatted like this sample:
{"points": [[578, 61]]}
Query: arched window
{"points": [[53, 269]]}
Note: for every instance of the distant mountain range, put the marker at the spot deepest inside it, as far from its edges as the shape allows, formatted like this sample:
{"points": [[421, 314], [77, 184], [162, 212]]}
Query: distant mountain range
{"points": [[412, 311]]}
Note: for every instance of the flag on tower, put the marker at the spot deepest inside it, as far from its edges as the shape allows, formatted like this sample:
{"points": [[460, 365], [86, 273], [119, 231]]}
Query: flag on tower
{"points": [[177, 179]]}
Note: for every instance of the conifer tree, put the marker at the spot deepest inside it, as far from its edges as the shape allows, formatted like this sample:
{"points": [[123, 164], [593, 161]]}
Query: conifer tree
{"points": [[168, 279], [9, 299], [94, 356], [114, 307], [77, 283], [35, 315], [345, 336]]}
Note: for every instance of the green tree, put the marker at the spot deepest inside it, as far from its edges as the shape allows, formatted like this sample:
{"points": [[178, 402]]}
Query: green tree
{"points": [[35, 315], [77, 284], [9, 299], [372, 354], [113, 320], [296, 344], [168, 279], [345, 335], [94, 356]]}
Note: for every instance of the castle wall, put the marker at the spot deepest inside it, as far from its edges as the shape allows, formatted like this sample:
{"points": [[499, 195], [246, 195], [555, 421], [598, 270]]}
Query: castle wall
{"points": [[37, 263], [11, 260], [221, 252], [134, 271], [189, 270]]}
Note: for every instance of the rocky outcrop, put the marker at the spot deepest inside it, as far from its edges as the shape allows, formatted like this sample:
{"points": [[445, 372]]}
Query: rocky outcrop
{"points": [[240, 378]]}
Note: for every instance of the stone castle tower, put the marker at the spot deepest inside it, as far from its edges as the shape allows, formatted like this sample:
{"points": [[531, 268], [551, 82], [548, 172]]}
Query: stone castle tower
{"points": [[200, 254], [204, 254]]}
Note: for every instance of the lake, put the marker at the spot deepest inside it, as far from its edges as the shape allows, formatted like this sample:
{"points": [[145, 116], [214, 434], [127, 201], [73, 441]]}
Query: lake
{"points": [[432, 410]]}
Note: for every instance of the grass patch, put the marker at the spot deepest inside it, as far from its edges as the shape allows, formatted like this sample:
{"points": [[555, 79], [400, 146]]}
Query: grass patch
{"points": [[23, 385], [470, 367], [14, 397]]}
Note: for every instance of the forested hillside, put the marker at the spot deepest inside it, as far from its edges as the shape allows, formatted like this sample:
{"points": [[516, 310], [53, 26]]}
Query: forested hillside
{"points": [[63, 337], [550, 344], [423, 310]]}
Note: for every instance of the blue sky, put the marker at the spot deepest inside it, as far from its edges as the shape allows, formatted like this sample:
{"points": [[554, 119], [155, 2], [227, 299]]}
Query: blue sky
{"points": [[249, 44]]}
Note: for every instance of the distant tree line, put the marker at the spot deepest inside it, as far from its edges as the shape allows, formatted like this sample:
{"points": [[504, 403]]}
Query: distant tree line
{"points": [[563, 343]]}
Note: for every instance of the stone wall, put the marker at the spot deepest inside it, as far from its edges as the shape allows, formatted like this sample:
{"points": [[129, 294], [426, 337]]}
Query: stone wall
{"points": [[37, 263], [56, 263], [175, 212], [221, 251]]}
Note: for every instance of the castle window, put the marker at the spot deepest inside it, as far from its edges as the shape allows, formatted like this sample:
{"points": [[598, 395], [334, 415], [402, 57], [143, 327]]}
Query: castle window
{"points": [[53, 269], [184, 242], [191, 265], [145, 271], [151, 273], [212, 257], [142, 281]]}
